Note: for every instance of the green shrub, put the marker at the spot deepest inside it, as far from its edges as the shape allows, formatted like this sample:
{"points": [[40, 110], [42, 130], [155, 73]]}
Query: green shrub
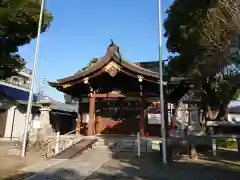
{"points": [[227, 144]]}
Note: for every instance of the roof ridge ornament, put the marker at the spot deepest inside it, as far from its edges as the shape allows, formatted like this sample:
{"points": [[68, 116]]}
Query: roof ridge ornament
{"points": [[115, 49], [112, 43]]}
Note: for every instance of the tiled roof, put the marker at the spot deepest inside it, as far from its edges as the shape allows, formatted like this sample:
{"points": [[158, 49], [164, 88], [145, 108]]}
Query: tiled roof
{"points": [[59, 106], [64, 107]]}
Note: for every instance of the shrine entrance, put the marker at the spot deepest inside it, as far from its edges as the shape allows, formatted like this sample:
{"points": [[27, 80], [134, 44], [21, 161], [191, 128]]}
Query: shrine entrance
{"points": [[113, 113], [117, 116]]}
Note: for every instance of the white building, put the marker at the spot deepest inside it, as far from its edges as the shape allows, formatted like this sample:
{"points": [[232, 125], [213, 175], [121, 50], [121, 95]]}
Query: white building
{"points": [[21, 81], [234, 111], [14, 92]]}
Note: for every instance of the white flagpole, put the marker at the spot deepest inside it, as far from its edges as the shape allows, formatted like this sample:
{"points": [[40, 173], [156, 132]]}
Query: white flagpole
{"points": [[30, 98], [163, 130]]}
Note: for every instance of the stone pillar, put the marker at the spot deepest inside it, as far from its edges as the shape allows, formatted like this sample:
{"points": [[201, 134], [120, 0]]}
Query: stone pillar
{"points": [[45, 126], [44, 118]]}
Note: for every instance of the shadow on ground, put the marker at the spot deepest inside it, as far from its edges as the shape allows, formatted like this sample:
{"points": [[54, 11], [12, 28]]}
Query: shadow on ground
{"points": [[149, 166], [125, 165], [60, 174]]}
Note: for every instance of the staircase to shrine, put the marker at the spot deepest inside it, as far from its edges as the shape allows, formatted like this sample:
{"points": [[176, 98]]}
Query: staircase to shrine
{"points": [[121, 143]]}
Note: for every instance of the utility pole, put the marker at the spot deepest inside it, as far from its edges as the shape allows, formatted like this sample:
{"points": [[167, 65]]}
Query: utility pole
{"points": [[30, 98], [163, 130]]}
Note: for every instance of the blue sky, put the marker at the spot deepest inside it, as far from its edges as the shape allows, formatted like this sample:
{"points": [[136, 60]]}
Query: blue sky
{"points": [[82, 29]]}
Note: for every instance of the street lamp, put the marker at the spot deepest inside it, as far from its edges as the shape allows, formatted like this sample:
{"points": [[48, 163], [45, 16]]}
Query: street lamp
{"points": [[163, 130], [30, 98]]}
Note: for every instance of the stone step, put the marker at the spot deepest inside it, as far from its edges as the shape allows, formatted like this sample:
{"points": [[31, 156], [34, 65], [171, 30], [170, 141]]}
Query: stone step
{"points": [[143, 150], [8, 142], [126, 148], [128, 144], [14, 152]]}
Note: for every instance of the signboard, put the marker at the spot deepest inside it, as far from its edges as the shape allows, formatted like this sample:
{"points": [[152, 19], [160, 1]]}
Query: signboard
{"points": [[154, 118]]}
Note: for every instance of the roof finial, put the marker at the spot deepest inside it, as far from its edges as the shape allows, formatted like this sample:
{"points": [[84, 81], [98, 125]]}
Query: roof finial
{"points": [[114, 48], [112, 43]]}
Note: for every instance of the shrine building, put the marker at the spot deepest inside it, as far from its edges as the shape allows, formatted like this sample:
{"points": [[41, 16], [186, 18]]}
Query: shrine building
{"points": [[114, 96]]}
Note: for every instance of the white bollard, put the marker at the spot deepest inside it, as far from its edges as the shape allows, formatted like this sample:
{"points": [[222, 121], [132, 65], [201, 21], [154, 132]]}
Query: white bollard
{"points": [[138, 145], [57, 143], [214, 147], [238, 144]]}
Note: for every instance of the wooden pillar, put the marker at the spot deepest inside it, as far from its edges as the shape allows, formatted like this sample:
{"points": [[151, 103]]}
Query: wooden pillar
{"points": [[98, 125], [91, 115], [78, 124], [141, 120]]}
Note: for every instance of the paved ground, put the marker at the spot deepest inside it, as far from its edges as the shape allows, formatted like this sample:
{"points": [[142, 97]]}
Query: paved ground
{"points": [[123, 167], [78, 168], [12, 163], [100, 165]]}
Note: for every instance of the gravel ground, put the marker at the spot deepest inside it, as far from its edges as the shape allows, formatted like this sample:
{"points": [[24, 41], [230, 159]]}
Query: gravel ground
{"points": [[9, 164]]}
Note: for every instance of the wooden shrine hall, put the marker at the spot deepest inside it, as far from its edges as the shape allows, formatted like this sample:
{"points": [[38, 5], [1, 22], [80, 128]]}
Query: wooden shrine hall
{"points": [[113, 96]]}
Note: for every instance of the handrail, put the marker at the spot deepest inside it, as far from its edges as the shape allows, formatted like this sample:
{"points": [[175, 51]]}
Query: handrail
{"points": [[58, 139], [70, 132], [65, 134]]}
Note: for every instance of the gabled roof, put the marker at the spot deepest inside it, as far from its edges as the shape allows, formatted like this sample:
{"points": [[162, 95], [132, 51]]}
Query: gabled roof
{"points": [[59, 106], [112, 55]]}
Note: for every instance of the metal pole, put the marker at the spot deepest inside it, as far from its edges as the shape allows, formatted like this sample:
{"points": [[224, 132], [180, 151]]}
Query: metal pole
{"points": [[57, 143], [138, 145], [29, 107], [163, 130]]}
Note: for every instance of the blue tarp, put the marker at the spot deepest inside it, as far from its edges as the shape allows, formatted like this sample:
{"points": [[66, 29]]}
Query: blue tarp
{"points": [[15, 94]]}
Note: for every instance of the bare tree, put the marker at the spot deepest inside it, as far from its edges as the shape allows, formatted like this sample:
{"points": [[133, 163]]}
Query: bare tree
{"points": [[220, 28]]}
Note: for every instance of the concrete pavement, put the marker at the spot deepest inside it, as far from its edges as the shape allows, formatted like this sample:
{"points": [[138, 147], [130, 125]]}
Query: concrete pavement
{"points": [[78, 168]]}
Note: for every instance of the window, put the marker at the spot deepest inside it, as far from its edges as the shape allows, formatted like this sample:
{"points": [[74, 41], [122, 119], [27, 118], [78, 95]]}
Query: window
{"points": [[15, 80]]}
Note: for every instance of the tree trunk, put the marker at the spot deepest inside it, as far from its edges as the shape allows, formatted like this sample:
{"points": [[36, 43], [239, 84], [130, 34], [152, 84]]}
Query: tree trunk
{"points": [[222, 111]]}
